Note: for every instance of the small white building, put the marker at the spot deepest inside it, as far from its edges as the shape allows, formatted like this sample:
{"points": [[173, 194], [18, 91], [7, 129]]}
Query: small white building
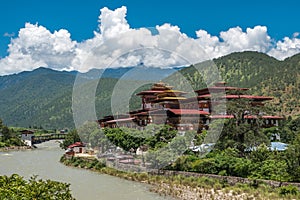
{"points": [[27, 137], [76, 148]]}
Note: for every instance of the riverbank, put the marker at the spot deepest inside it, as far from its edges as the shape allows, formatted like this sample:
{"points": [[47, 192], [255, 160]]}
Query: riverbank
{"points": [[187, 188], [14, 148], [85, 184]]}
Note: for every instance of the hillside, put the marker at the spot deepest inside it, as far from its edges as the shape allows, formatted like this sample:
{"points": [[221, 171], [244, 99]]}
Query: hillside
{"points": [[43, 97], [264, 75], [24, 95]]}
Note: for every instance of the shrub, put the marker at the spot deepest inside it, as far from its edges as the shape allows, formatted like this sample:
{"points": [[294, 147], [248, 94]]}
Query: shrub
{"points": [[2, 144], [289, 189]]}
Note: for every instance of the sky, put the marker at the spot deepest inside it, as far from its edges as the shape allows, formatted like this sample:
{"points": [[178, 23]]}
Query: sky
{"points": [[80, 35]]}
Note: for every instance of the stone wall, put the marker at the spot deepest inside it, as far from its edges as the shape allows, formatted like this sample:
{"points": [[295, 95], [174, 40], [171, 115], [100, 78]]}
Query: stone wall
{"points": [[125, 167], [232, 180]]}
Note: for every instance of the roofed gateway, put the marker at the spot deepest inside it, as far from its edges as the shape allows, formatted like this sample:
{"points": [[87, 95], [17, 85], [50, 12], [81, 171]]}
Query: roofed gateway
{"points": [[162, 104]]}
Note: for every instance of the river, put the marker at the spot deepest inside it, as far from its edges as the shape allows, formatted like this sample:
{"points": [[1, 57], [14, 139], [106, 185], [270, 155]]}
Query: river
{"points": [[85, 184]]}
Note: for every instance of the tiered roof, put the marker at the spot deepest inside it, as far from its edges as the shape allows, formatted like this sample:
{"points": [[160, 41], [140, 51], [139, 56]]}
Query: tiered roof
{"points": [[157, 88], [161, 92], [234, 96], [220, 87]]}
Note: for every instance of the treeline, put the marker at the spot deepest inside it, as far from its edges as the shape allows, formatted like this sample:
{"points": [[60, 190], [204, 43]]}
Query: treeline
{"points": [[152, 137]]}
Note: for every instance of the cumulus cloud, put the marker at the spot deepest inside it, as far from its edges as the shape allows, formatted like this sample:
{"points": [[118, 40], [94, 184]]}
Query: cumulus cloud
{"points": [[36, 46], [116, 44], [234, 40], [112, 23], [286, 48]]}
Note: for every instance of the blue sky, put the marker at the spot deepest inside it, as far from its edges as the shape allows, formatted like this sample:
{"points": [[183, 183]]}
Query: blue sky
{"points": [[80, 18]]}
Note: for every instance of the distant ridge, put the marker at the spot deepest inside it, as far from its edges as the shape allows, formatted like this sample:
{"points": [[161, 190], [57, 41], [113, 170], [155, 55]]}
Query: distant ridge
{"points": [[43, 96]]}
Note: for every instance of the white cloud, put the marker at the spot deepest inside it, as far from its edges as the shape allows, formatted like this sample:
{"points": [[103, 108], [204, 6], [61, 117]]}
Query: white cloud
{"points": [[36, 46], [116, 44], [113, 23], [286, 48], [235, 40]]}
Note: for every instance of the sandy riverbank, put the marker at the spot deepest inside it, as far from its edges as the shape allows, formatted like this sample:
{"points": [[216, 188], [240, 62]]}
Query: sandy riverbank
{"points": [[14, 148]]}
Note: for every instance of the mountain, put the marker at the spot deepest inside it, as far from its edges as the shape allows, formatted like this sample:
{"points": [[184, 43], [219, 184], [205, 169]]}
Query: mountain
{"points": [[24, 95], [43, 97]]}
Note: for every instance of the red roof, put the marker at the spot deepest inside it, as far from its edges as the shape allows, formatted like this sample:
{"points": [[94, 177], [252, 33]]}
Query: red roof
{"points": [[221, 116], [218, 88], [188, 112], [120, 120], [27, 132], [248, 97], [76, 144], [150, 92], [272, 117], [234, 96], [204, 96], [246, 117]]}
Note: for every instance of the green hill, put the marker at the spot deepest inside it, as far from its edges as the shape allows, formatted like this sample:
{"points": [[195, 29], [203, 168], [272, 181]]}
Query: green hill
{"points": [[264, 75]]}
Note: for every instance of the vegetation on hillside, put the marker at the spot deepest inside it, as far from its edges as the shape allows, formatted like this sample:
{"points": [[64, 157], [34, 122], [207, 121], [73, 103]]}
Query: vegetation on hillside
{"points": [[262, 74]]}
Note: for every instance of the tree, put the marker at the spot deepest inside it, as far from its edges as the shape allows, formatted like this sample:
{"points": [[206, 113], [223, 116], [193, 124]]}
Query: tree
{"points": [[86, 129], [125, 138], [245, 129], [292, 157], [70, 138], [294, 124], [6, 133], [272, 170], [15, 187], [9, 138]]}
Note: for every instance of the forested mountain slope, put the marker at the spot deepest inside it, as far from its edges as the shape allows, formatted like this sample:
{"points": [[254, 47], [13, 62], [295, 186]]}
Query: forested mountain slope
{"points": [[264, 75], [43, 97]]}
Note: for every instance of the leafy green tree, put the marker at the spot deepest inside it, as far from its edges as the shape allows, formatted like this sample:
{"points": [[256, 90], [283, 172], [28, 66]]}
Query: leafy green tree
{"points": [[6, 134], [294, 124], [15, 187], [292, 157], [245, 129], [9, 137], [259, 154], [70, 138], [272, 170], [86, 129], [125, 138], [161, 136]]}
